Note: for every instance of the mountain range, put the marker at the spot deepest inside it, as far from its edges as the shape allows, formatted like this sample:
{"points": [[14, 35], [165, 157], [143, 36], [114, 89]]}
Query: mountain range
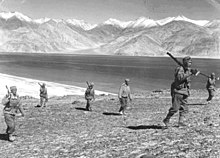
{"points": [[141, 37]]}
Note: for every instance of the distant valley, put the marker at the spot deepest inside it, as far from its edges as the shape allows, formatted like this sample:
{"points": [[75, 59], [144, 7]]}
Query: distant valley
{"points": [[141, 37]]}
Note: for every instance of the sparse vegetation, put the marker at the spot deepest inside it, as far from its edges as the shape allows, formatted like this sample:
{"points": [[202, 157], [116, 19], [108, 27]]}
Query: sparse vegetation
{"points": [[65, 129]]}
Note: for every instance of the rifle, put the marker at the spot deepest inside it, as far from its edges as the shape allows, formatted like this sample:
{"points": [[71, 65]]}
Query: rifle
{"points": [[175, 59], [39, 84], [216, 78], [8, 90], [87, 83], [178, 62]]}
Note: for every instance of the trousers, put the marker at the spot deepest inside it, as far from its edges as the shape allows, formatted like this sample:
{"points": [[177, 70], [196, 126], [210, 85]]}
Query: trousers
{"points": [[10, 122], [43, 101], [124, 104], [178, 104], [211, 94]]}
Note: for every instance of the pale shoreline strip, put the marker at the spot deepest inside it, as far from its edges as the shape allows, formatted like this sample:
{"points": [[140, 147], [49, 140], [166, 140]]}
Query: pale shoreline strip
{"points": [[30, 87]]}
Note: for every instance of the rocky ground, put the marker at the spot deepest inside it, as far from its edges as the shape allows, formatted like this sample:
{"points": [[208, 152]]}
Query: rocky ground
{"points": [[65, 129]]}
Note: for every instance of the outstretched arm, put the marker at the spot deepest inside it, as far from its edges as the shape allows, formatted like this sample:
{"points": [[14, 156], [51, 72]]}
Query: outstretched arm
{"points": [[40, 84]]}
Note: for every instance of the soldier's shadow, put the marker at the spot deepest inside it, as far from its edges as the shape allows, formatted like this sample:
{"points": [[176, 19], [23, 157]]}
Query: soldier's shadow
{"points": [[79, 108], [145, 127], [111, 113], [4, 137], [191, 104]]}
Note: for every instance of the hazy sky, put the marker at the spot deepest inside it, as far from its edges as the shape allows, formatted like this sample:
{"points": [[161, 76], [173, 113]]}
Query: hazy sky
{"points": [[97, 11]]}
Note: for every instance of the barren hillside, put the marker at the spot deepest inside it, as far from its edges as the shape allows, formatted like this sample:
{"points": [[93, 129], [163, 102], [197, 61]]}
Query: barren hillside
{"points": [[65, 129]]}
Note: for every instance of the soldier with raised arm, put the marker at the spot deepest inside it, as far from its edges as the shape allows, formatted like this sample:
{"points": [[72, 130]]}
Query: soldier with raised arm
{"points": [[124, 94], [180, 91], [43, 95], [12, 103], [89, 95]]}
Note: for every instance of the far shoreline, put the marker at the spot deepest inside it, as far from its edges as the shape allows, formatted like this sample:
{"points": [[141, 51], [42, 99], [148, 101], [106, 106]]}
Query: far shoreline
{"points": [[96, 54]]}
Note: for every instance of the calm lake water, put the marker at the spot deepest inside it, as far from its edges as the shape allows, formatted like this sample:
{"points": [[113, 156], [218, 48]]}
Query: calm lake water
{"points": [[107, 72]]}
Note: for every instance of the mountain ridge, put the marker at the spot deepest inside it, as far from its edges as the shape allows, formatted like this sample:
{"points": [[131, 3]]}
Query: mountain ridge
{"points": [[110, 21], [143, 36]]}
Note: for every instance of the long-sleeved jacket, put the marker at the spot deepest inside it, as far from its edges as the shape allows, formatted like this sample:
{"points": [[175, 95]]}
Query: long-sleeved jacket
{"points": [[124, 91], [12, 104], [210, 84], [182, 81], [43, 92], [90, 93]]}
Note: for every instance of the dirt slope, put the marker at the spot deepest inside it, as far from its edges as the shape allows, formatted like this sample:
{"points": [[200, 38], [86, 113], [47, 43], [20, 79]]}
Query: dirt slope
{"points": [[65, 129]]}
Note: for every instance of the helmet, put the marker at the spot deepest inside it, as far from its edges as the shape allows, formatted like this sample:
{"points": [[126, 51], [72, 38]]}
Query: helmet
{"points": [[91, 84], [127, 80], [213, 74], [187, 58], [13, 88]]}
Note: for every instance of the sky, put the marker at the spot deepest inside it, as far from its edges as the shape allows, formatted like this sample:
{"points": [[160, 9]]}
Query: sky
{"points": [[97, 11]]}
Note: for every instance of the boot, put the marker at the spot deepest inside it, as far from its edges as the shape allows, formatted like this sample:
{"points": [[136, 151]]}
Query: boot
{"points": [[166, 121], [88, 107], [121, 110], [181, 120], [11, 138]]}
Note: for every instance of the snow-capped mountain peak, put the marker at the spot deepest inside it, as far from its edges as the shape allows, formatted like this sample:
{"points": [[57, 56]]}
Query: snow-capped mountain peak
{"points": [[140, 22], [42, 20], [81, 23], [116, 22], [197, 22], [144, 22], [165, 20], [147, 22], [8, 15], [182, 18]]}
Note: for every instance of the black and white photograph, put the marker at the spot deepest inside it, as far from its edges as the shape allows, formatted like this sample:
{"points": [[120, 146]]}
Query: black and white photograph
{"points": [[109, 79]]}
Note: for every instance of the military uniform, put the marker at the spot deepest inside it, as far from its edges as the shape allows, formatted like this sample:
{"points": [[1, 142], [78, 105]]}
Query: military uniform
{"points": [[89, 96], [210, 86], [12, 104], [43, 95], [180, 92], [123, 95]]}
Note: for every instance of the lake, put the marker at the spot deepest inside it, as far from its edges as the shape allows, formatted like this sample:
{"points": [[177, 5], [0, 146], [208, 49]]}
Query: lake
{"points": [[107, 72]]}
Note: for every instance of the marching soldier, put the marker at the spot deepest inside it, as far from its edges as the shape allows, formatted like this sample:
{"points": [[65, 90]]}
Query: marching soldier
{"points": [[12, 104], [210, 86], [123, 95], [89, 95], [180, 91], [43, 95]]}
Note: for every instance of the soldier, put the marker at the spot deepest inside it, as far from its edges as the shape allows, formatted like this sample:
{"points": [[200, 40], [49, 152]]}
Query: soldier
{"points": [[12, 104], [43, 95], [210, 86], [89, 95], [123, 95], [180, 91]]}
